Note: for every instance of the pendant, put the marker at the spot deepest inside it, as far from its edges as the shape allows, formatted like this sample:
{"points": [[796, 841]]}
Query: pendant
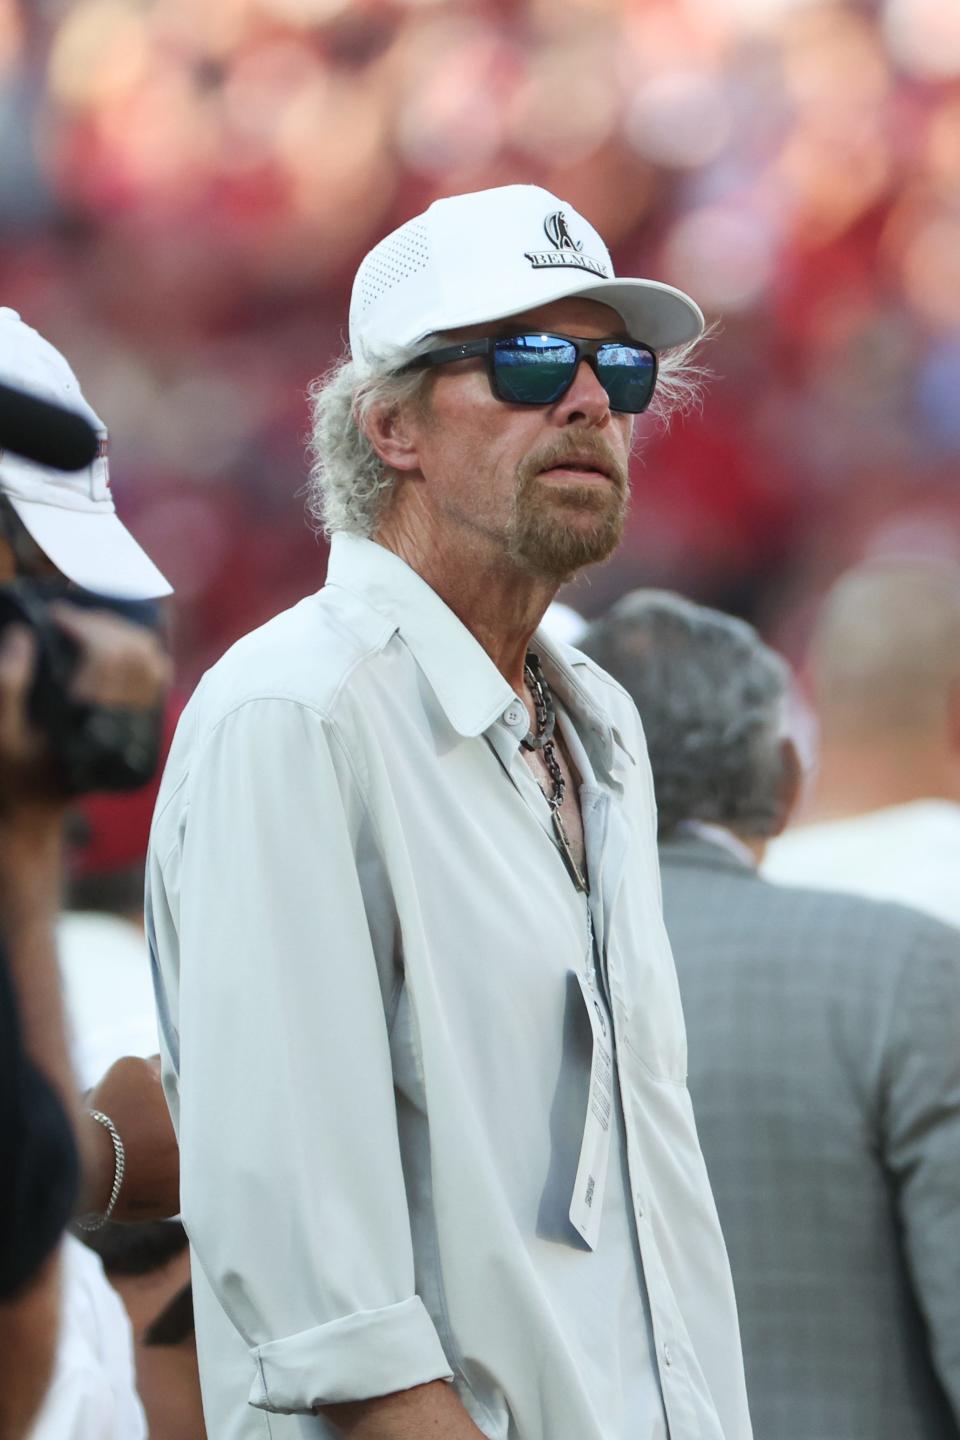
{"points": [[563, 844]]}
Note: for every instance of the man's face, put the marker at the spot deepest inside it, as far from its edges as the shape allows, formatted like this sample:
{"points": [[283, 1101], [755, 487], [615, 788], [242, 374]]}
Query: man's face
{"points": [[543, 488]]}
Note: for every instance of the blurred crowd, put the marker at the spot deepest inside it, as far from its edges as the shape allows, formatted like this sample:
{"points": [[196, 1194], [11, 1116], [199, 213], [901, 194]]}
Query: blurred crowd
{"points": [[185, 192]]}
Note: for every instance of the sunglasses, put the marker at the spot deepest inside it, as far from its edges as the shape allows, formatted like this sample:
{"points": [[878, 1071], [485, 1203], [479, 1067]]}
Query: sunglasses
{"points": [[537, 369]]}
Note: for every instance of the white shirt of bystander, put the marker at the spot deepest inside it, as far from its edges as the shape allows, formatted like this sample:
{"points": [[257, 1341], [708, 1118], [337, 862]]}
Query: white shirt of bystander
{"points": [[909, 853], [92, 1394]]}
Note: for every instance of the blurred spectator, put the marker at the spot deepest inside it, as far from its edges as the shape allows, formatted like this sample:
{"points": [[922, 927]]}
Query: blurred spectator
{"points": [[57, 525], [105, 972], [60, 525], [824, 1066], [885, 815]]}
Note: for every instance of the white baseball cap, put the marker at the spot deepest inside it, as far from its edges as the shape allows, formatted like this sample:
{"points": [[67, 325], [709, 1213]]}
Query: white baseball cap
{"points": [[71, 516], [480, 257]]}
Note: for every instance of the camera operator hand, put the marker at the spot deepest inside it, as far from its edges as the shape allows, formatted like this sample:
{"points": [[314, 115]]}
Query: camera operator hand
{"points": [[23, 752], [121, 665]]}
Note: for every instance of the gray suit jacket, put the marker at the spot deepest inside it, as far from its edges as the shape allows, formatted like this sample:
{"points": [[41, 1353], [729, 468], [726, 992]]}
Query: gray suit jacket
{"points": [[824, 1053]]}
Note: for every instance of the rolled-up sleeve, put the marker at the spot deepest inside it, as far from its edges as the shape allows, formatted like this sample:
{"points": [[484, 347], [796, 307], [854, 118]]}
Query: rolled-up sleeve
{"points": [[292, 1185], [336, 1357]]}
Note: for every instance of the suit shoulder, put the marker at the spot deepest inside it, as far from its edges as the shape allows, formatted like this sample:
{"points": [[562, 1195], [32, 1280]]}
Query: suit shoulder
{"points": [[808, 918], [890, 921]]}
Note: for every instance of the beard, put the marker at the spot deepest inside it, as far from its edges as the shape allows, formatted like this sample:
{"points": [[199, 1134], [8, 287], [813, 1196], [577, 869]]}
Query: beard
{"points": [[556, 530]]}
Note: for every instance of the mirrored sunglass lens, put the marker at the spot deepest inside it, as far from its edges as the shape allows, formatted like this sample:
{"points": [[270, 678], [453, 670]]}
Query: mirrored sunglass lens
{"points": [[533, 369], [628, 376]]}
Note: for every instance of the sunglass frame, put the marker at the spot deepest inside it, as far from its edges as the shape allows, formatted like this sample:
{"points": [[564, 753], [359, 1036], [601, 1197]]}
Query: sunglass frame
{"points": [[584, 348]]}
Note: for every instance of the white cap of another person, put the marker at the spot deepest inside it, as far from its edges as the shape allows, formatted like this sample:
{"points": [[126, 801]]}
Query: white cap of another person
{"points": [[472, 259], [71, 516]]}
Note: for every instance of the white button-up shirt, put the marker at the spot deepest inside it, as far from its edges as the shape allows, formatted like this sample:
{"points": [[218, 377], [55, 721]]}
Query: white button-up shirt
{"points": [[377, 1054]]}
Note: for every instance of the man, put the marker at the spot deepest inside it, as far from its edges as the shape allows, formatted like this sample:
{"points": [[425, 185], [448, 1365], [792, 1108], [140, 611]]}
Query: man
{"points": [[424, 1136], [54, 524], [824, 1065], [885, 816]]}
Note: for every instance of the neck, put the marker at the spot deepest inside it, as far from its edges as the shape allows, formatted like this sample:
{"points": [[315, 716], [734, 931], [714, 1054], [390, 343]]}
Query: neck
{"points": [[857, 776], [499, 605]]}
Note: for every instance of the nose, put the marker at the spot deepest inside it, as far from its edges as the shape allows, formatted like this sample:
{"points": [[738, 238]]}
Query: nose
{"points": [[586, 402]]}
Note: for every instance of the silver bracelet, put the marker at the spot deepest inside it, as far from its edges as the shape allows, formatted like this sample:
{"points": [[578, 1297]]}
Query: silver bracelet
{"points": [[94, 1222]]}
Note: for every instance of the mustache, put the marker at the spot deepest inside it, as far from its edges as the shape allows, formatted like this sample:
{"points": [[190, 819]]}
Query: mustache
{"points": [[577, 448]]}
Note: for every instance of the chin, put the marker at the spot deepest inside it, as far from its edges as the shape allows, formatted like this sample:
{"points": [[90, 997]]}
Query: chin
{"points": [[558, 530], [557, 551]]}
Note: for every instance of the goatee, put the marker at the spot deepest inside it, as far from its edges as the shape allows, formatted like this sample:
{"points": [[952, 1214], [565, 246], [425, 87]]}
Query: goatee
{"points": [[558, 529]]}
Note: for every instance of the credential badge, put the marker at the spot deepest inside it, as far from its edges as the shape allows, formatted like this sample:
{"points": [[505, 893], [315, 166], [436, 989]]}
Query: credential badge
{"points": [[566, 251]]}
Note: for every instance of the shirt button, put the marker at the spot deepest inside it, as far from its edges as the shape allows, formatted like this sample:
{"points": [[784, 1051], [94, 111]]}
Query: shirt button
{"points": [[514, 714], [638, 1201], [667, 1355]]}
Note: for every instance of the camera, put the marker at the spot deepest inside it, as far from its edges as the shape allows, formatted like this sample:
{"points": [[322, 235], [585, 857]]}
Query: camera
{"points": [[92, 747]]}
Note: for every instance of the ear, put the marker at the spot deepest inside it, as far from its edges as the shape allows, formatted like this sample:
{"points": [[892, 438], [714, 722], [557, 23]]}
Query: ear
{"points": [[393, 433], [791, 783]]}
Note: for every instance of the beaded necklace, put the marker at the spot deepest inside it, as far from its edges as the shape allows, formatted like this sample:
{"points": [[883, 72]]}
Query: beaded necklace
{"points": [[543, 739]]}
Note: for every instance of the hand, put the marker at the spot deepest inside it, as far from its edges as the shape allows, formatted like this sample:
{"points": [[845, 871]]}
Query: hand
{"points": [[24, 758], [121, 665], [132, 1095]]}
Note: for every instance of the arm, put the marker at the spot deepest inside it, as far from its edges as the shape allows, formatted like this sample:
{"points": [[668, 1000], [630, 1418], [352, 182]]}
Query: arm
{"points": [[132, 1095], [427, 1412], [28, 1330], [285, 1079], [31, 822], [922, 1136]]}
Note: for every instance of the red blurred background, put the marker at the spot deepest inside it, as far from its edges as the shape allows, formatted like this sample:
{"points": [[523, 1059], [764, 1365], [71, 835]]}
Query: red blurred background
{"points": [[186, 189]]}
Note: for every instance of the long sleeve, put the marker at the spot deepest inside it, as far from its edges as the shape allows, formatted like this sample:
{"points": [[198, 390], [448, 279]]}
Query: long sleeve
{"points": [[922, 1136], [292, 1192]]}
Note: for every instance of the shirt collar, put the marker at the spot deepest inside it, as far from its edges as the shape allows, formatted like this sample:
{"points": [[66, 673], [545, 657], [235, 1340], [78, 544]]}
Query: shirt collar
{"points": [[721, 836], [467, 684], [597, 731], [470, 689]]}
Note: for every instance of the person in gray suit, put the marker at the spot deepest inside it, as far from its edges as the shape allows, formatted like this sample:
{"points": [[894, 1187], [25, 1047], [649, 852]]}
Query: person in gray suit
{"points": [[824, 1054]]}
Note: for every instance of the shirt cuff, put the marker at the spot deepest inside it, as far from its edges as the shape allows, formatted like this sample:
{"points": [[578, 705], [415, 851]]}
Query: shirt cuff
{"points": [[369, 1353]]}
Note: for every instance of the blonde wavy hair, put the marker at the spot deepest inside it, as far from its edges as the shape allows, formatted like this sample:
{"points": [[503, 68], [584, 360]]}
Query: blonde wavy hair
{"points": [[349, 485]]}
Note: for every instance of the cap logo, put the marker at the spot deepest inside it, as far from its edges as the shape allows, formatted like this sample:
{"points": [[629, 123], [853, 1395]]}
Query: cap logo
{"points": [[566, 251]]}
